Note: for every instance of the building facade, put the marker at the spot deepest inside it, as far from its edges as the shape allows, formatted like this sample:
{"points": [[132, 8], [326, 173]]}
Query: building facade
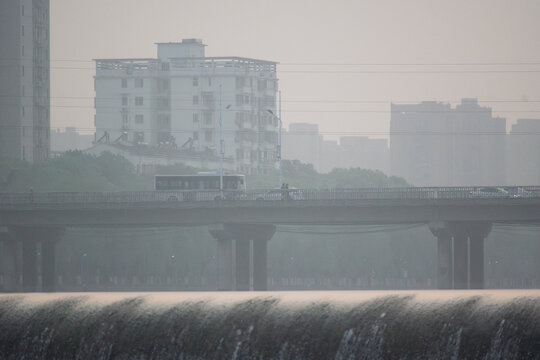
{"points": [[178, 99], [24, 79], [433, 144], [523, 153], [302, 142]]}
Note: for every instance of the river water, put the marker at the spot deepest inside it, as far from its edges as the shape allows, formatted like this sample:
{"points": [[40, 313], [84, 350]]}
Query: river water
{"points": [[272, 325]]}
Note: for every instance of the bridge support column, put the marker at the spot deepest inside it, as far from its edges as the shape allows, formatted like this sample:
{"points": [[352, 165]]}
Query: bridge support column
{"points": [[445, 265], [243, 235], [461, 261], [260, 265], [225, 264], [261, 237], [29, 265], [242, 263], [30, 236], [9, 261], [461, 251], [477, 254], [225, 277], [48, 265]]}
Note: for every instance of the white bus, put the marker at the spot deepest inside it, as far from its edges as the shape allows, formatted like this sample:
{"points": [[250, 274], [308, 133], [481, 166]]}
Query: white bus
{"points": [[202, 186]]}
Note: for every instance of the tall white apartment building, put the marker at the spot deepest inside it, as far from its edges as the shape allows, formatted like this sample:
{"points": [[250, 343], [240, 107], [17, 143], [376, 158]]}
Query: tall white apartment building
{"points": [[179, 98], [24, 79]]}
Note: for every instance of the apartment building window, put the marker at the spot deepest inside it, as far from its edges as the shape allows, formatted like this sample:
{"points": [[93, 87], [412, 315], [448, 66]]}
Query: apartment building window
{"points": [[22, 51], [195, 117], [165, 67], [139, 119], [138, 136], [124, 100], [22, 30], [124, 118], [208, 135], [22, 71], [124, 83], [239, 82], [269, 101], [207, 99], [207, 117], [22, 10], [239, 154], [139, 82], [195, 100], [164, 120], [195, 81], [195, 135], [139, 101]]}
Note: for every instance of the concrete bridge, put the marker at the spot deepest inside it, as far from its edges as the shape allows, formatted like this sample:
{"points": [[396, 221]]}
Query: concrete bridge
{"points": [[243, 223]]}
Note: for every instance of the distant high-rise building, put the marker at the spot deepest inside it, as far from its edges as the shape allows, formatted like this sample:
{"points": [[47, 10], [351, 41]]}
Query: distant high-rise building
{"points": [[175, 100], [24, 79], [363, 152], [523, 153], [433, 144], [331, 156], [302, 142]]}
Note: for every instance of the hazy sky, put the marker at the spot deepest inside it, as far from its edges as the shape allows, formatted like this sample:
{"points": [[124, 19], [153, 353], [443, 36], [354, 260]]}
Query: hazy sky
{"points": [[341, 62]]}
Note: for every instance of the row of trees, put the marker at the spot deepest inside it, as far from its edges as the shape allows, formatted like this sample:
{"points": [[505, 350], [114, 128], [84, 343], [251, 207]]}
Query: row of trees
{"points": [[75, 171]]}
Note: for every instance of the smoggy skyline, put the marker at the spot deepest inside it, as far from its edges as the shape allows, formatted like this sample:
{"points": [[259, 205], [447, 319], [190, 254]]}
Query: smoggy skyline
{"points": [[341, 63]]}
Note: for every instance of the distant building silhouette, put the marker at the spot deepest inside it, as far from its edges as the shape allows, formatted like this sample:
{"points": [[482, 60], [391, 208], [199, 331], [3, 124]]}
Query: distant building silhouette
{"points": [[24, 79], [433, 144], [304, 143], [365, 153], [69, 139], [523, 153]]}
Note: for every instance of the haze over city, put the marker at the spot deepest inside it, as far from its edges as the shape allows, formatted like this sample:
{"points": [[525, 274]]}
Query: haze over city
{"points": [[269, 179], [340, 63]]}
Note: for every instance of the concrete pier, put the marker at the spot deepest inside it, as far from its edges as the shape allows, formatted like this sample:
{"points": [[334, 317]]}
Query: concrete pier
{"points": [[29, 265], [461, 261], [260, 264], [48, 265], [250, 243], [445, 268], [10, 269], [225, 265], [242, 264], [460, 254]]}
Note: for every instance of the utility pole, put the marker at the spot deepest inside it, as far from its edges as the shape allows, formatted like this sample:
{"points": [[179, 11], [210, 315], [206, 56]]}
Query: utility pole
{"points": [[280, 143], [220, 148], [279, 139]]}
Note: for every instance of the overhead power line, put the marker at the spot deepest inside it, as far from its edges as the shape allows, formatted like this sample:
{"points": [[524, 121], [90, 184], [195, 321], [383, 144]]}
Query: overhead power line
{"points": [[299, 133], [134, 109], [371, 63], [226, 100]]}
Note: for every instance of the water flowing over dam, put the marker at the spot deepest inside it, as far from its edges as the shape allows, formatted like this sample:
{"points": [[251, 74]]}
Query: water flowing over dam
{"points": [[307, 325]]}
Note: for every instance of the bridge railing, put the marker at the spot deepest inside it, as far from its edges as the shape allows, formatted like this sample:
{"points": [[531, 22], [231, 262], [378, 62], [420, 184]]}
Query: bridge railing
{"points": [[410, 193]]}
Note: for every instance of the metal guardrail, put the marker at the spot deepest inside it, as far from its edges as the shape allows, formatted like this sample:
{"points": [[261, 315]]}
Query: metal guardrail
{"points": [[412, 193]]}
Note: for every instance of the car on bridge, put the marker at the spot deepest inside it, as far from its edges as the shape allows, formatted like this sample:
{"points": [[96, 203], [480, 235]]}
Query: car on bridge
{"points": [[490, 191], [279, 194]]}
